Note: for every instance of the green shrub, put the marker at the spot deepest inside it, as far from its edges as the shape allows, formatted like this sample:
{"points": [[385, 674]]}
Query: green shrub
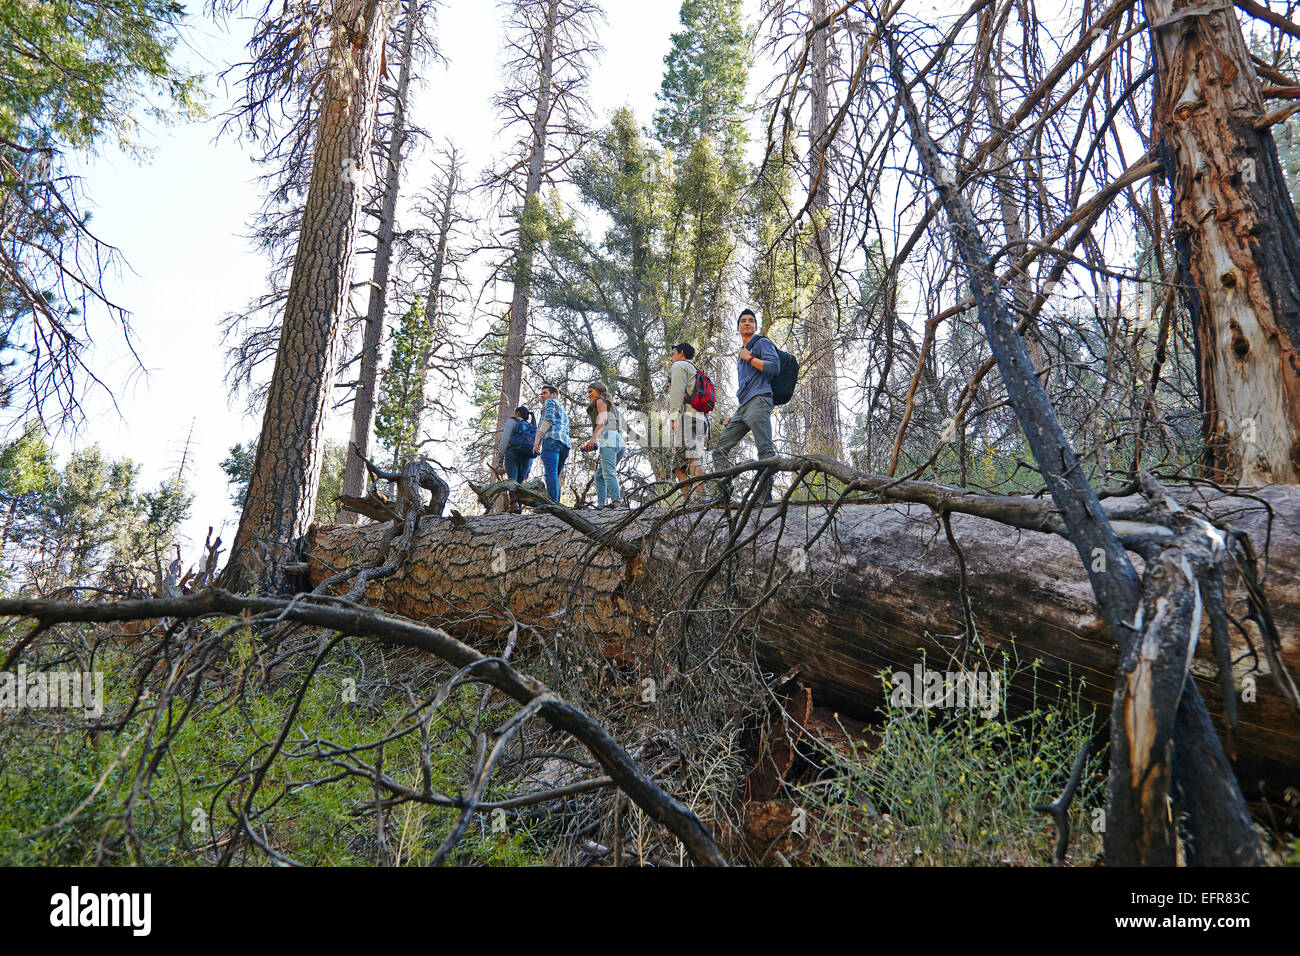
{"points": [[944, 788]]}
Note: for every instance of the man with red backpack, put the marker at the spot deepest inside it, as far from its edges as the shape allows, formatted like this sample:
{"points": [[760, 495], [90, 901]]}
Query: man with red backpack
{"points": [[691, 397]]}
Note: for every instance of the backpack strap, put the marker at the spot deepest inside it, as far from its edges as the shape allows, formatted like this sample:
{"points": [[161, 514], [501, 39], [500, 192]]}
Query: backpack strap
{"points": [[775, 347]]}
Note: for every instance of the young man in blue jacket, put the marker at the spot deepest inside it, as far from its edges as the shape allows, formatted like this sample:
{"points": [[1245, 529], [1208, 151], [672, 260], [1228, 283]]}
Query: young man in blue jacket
{"points": [[755, 368]]}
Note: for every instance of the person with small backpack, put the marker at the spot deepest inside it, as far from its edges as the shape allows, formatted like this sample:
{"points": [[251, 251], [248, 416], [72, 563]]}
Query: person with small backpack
{"points": [[515, 452], [765, 378], [607, 440], [691, 396]]}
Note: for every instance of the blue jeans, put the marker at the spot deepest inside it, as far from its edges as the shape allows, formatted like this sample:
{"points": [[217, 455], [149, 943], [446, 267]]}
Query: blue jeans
{"points": [[518, 464], [554, 455], [606, 472]]}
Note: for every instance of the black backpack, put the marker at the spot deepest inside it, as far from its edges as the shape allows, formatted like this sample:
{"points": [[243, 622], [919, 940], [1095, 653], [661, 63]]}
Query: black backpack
{"points": [[784, 381]]}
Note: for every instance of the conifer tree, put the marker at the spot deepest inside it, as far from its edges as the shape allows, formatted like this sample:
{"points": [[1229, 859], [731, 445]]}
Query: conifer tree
{"points": [[402, 384]]}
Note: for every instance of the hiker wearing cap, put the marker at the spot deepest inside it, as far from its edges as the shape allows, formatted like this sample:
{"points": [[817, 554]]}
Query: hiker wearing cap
{"points": [[607, 440], [552, 441], [689, 390], [757, 363]]}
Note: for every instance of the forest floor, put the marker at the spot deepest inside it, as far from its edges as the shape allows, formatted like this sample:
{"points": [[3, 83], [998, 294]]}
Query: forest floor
{"points": [[169, 784]]}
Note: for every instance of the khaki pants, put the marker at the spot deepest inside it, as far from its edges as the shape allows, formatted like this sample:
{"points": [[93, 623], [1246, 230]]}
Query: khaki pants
{"points": [[754, 416]]}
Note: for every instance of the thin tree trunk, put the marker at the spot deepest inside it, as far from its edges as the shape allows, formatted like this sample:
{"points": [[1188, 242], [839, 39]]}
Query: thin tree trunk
{"points": [[822, 403], [1003, 179], [9, 520], [1237, 238], [512, 373], [290, 450], [363, 405], [434, 295]]}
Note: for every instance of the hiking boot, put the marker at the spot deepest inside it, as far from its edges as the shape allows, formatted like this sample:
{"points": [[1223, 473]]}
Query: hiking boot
{"points": [[721, 497]]}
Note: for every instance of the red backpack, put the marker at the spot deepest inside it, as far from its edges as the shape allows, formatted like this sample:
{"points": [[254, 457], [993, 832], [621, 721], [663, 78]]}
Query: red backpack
{"points": [[705, 396]]}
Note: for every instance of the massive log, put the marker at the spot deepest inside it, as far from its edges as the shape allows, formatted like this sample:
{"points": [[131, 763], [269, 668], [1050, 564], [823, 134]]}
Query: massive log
{"points": [[873, 593]]}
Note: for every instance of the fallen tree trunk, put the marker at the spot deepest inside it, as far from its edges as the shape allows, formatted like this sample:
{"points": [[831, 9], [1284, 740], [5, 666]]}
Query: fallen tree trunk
{"points": [[880, 588]]}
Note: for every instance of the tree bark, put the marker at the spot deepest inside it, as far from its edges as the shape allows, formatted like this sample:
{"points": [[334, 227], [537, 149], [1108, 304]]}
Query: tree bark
{"points": [[874, 593], [434, 296], [290, 450], [363, 404], [1004, 183], [9, 521], [1237, 238], [512, 373], [822, 403]]}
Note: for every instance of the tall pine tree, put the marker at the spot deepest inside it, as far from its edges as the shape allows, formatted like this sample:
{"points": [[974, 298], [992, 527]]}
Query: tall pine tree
{"points": [[703, 89]]}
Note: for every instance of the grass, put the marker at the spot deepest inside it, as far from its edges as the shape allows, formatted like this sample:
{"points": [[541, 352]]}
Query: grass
{"points": [[49, 764], [954, 788]]}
